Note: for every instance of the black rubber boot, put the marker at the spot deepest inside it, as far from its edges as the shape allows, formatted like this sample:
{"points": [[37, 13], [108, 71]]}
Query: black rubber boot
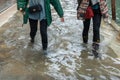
{"points": [[95, 49], [32, 40], [95, 46]]}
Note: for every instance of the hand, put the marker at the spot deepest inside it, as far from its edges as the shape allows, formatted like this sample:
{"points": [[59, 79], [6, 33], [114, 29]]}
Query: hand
{"points": [[62, 19], [21, 10]]}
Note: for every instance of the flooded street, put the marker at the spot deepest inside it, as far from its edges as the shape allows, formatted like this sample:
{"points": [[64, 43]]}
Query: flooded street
{"points": [[67, 57]]}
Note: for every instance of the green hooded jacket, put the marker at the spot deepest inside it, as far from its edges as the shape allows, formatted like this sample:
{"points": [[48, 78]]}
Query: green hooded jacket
{"points": [[55, 3]]}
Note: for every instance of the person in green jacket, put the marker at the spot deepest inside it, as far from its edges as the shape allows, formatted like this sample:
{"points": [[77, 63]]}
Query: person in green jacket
{"points": [[44, 16]]}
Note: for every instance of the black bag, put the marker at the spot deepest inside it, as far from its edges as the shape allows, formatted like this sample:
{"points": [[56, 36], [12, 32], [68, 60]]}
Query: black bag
{"points": [[35, 8]]}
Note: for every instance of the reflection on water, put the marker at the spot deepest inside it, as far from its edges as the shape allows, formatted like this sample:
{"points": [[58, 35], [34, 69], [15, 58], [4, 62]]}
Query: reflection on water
{"points": [[68, 59]]}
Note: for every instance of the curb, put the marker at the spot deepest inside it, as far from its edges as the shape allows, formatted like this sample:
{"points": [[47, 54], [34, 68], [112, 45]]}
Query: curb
{"points": [[7, 14]]}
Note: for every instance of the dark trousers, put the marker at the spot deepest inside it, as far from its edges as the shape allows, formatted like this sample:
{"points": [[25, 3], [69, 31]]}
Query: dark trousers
{"points": [[43, 31], [96, 27]]}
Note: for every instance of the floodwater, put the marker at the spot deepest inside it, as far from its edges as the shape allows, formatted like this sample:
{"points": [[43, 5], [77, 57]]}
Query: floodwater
{"points": [[67, 58]]}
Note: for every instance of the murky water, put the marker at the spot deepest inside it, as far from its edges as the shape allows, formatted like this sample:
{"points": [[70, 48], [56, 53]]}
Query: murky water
{"points": [[67, 58]]}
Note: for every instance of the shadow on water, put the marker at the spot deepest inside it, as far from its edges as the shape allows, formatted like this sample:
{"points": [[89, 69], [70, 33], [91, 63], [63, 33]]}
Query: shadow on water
{"points": [[68, 59]]}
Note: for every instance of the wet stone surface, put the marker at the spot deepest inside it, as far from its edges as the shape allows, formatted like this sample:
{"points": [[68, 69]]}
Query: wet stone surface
{"points": [[67, 58], [4, 4]]}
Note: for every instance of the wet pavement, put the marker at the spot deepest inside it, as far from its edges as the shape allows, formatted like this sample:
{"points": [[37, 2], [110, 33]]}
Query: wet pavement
{"points": [[67, 57], [5, 4]]}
